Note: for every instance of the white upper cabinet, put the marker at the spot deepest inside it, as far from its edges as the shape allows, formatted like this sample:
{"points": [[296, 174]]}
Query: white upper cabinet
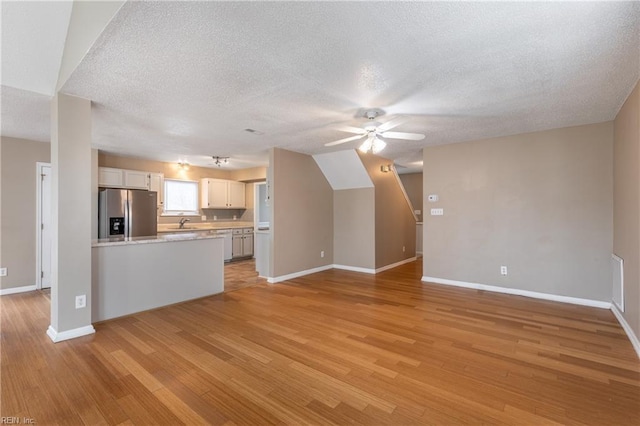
{"points": [[156, 183], [136, 179], [222, 194], [109, 177], [236, 196], [217, 194]]}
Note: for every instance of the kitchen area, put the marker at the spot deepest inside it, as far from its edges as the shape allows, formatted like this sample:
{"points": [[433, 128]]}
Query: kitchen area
{"points": [[168, 233]]}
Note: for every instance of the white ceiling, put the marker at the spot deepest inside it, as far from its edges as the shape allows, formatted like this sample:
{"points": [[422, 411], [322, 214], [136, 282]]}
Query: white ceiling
{"points": [[174, 80], [33, 36]]}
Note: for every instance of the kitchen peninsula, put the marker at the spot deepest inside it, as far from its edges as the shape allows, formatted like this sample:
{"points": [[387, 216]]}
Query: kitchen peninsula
{"points": [[142, 273]]}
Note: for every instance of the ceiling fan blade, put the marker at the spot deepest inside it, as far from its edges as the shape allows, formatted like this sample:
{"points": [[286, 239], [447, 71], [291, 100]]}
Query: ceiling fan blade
{"points": [[345, 140], [392, 123], [403, 135], [350, 129]]}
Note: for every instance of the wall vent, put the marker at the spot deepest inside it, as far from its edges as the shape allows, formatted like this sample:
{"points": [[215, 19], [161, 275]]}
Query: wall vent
{"points": [[617, 269]]}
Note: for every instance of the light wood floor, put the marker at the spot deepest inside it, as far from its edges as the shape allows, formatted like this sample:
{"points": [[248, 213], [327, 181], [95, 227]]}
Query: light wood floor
{"points": [[331, 348], [241, 274]]}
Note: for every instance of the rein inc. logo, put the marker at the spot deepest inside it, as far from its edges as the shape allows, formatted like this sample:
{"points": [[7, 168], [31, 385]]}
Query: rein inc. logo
{"points": [[17, 421]]}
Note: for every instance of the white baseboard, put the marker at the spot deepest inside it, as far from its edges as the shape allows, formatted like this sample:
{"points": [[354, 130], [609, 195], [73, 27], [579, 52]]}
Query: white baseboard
{"points": [[518, 292], [393, 265], [355, 269], [627, 328], [69, 334], [15, 290], [273, 280]]}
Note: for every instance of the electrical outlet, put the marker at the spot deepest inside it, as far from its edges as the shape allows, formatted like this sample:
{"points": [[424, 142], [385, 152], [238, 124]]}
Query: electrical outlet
{"points": [[322, 253], [403, 249], [81, 301], [204, 218], [215, 217], [437, 212], [503, 270], [3, 272]]}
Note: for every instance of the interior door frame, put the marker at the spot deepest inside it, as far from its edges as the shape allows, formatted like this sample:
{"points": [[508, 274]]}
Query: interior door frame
{"points": [[39, 167]]}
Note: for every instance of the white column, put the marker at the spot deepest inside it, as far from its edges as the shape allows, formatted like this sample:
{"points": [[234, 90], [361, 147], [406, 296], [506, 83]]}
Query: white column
{"points": [[71, 217]]}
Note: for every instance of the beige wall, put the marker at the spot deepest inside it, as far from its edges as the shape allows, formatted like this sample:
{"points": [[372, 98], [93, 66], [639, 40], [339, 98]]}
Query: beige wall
{"points": [[354, 228], [539, 203], [302, 213], [18, 193], [412, 183], [253, 174], [626, 203], [395, 224]]}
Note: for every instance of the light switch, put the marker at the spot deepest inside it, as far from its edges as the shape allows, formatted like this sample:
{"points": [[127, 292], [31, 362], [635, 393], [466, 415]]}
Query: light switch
{"points": [[437, 212]]}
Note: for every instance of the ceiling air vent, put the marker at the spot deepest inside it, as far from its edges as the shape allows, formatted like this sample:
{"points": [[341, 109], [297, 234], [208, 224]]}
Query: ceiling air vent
{"points": [[255, 132]]}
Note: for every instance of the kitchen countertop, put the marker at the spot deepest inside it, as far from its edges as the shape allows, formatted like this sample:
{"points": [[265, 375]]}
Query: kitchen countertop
{"points": [[206, 226], [106, 242]]}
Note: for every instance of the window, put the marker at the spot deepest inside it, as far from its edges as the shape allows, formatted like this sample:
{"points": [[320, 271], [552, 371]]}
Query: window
{"points": [[180, 197]]}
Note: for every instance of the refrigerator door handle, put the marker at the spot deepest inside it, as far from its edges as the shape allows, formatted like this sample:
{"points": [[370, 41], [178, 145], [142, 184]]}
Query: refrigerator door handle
{"points": [[127, 218]]}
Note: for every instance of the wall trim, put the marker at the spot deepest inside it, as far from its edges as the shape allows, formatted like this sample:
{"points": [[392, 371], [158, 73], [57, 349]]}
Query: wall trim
{"points": [[39, 169], [273, 280], [518, 292], [14, 290], [393, 265], [69, 334], [355, 269], [627, 329]]}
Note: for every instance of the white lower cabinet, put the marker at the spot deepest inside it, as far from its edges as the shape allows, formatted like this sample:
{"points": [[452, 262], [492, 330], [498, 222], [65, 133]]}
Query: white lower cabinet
{"points": [[242, 243]]}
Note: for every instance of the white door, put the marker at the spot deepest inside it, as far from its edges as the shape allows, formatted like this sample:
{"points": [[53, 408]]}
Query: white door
{"points": [[45, 232]]}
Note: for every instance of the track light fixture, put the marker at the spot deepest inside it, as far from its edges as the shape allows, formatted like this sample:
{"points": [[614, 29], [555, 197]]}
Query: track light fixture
{"points": [[219, 161]]}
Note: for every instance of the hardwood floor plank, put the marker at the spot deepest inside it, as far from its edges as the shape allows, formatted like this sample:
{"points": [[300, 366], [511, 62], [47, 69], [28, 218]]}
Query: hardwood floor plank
{"points": [[332, 348]]}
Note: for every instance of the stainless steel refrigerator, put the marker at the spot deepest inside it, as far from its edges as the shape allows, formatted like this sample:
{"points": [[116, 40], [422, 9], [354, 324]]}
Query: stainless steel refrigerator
{"points": [[127, 213]]}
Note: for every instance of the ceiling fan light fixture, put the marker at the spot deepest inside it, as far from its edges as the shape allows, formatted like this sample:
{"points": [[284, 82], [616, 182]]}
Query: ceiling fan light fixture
{"points": [[378, 145], [366, 145]]}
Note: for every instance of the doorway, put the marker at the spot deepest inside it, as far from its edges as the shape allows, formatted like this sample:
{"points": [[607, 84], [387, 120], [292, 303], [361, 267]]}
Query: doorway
{"points": [[43, 226]]}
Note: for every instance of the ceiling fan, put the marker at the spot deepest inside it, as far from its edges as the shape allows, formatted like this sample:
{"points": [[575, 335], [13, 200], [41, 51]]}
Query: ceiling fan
{"points": [[375, 131]]}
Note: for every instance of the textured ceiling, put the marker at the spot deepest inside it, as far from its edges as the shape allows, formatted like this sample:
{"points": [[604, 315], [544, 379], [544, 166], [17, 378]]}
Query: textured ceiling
{"points": [[33, 35], [25, 114], [174, 80]]}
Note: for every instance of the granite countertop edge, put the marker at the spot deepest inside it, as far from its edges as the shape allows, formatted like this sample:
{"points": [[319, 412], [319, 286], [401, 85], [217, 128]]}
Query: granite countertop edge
{"points": [[108, 242]]}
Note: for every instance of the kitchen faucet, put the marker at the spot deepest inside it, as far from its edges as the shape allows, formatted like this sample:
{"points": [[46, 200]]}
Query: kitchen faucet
{"points": [[183, 221]]}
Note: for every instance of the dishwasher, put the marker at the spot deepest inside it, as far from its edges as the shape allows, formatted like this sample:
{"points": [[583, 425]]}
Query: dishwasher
{"points": [[228, 242]]}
